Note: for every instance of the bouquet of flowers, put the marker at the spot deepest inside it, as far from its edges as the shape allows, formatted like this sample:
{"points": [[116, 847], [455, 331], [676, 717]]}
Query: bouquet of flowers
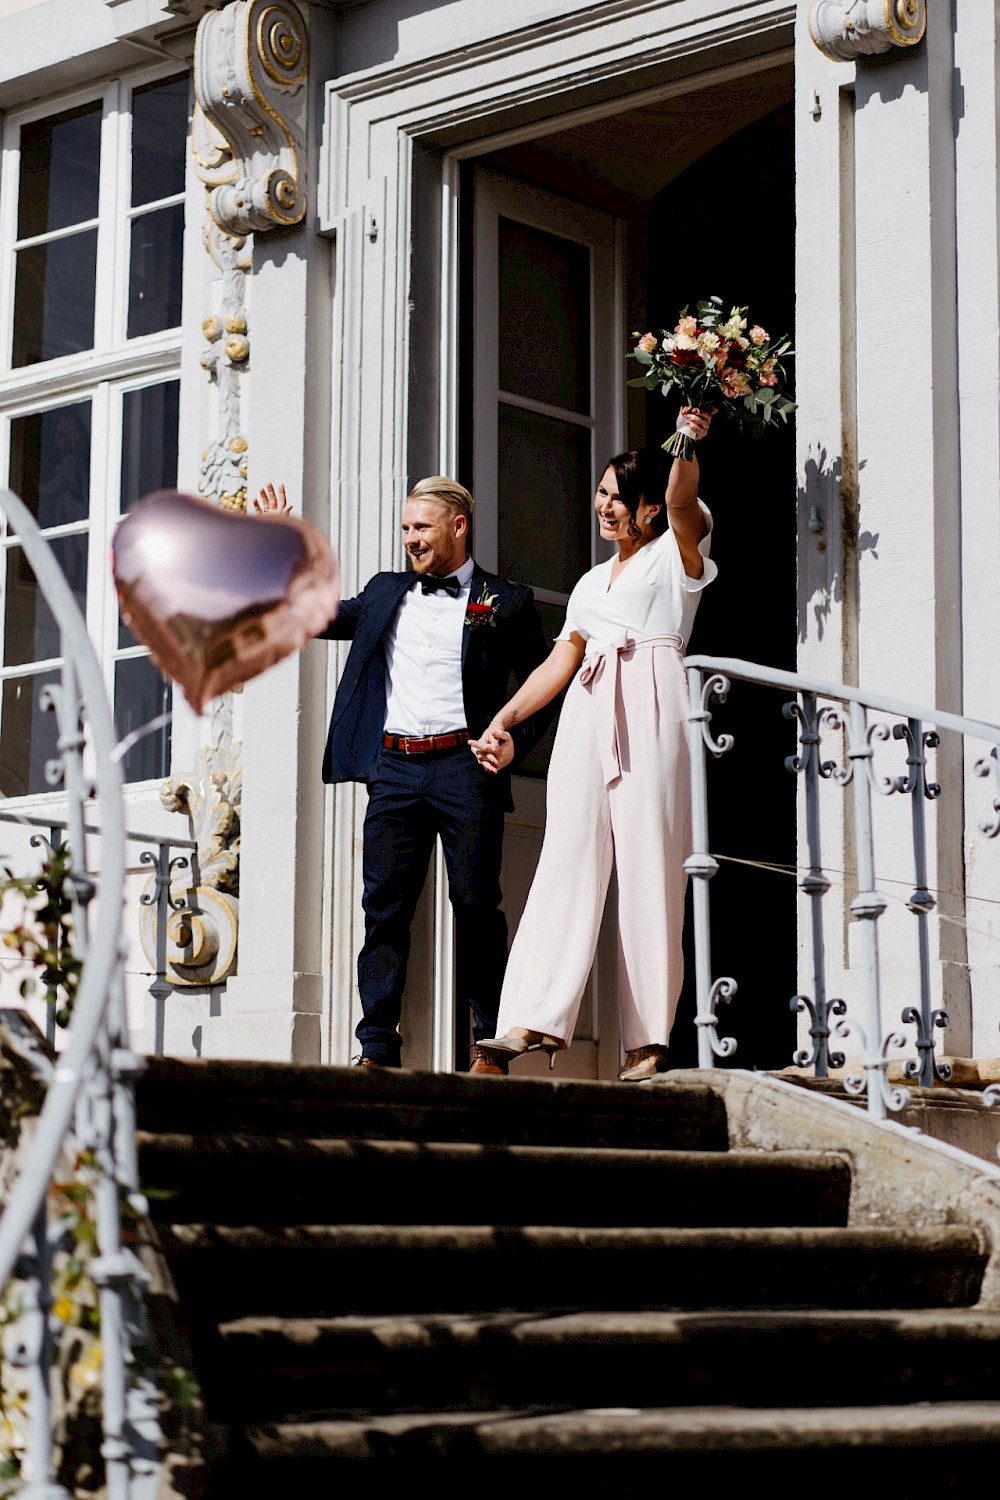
{"points": [[713, 362]]}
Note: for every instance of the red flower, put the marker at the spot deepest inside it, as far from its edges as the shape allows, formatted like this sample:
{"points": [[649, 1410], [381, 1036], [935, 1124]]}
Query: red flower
{"points": [[479, 613], [686, 357]]}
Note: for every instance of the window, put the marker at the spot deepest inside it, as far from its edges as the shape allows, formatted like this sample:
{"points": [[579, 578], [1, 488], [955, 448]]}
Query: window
{"points": [[91, 254]]}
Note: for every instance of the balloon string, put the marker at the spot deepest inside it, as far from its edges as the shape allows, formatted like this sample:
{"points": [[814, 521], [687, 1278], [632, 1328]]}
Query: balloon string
{"points": [[124, 746]]}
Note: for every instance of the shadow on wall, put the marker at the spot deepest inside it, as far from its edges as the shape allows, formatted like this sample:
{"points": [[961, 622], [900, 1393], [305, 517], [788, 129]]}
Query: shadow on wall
{"points": [[828, 566]]}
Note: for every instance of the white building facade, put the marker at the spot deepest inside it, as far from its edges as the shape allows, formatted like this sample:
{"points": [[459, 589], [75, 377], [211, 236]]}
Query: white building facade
{"points": [[342, 245]]}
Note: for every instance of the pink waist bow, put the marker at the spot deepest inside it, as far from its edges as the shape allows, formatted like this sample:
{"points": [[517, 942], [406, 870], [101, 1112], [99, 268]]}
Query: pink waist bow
{"points": [[601, 671]]}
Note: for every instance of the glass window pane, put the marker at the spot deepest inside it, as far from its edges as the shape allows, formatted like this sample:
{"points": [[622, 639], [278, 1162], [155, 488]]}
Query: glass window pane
{"points": [[544, 317], [30, 630], [544, 499], [50, 463], [154, 290], [149, 451], [159, 140], [141, 695], [149, 440], [28, 736], [60, 168], [54, 298]]}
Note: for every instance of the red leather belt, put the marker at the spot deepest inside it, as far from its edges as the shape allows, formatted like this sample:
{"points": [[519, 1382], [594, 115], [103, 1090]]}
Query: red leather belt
{"points": [[411, 745]]}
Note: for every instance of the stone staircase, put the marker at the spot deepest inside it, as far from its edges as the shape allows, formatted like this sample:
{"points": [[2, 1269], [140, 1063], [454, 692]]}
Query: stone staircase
{"points": [[487, 1284]]}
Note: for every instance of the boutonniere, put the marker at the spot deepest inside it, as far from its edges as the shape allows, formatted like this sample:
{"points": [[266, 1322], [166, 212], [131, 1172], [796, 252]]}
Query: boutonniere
{"points": [[483, 610]]}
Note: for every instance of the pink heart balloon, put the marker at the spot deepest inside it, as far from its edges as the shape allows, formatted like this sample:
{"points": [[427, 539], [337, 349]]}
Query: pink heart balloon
{"points": [[218, 597]]}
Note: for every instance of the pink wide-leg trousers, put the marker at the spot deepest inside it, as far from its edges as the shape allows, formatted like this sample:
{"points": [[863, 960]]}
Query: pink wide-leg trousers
{"points": [[619, 794]]}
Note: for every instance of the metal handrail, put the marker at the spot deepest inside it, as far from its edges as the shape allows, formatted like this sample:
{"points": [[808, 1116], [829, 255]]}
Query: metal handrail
{"points": [[163, 868], [132, 835], [104, 946], [96, 1056], [797, 682], [847, 712]]}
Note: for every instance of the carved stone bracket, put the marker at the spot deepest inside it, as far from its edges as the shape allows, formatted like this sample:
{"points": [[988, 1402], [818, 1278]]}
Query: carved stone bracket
{"points": [[251, 62], [203, 922], [847, 29]]}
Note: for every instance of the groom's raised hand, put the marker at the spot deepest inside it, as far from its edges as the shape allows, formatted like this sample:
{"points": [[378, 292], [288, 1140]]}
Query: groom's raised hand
{"points": [[272, 502]]}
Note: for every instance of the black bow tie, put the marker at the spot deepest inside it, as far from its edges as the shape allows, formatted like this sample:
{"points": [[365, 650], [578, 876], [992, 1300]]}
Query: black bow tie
{"points": [[431, 584]]}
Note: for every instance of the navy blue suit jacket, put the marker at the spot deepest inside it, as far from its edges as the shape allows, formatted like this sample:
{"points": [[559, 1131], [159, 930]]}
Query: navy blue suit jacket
{"points": [[513, 643]]}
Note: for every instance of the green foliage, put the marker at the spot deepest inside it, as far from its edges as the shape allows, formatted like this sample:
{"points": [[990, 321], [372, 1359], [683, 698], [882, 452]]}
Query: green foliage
{"points": [[43, 936]]}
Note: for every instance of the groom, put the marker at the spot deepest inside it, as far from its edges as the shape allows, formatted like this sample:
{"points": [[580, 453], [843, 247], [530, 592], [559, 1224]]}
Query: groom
{"points": [[432, 653]]}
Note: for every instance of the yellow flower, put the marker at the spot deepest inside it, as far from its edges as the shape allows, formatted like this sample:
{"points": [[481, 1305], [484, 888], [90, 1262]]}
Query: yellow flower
{"points": [[63, 1309], [86, 1373]]}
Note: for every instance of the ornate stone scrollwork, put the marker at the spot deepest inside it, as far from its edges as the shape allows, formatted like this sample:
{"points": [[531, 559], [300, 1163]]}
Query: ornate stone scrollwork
{"points": [[251, 61], [227, 360], [203, 922], [846, 29]]}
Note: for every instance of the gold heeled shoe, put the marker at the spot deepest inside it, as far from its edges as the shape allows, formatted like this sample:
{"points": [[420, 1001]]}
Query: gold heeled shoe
{"points": [[642, 1063], [516, 1046]]}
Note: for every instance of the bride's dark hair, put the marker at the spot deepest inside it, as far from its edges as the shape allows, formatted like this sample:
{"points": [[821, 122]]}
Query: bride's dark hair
{"points": [[642, 474]]}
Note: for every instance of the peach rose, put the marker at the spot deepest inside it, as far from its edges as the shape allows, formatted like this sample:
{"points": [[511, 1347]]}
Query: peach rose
{"points": [[735, 383], [759, 335], [688, 326], [647, 343]]}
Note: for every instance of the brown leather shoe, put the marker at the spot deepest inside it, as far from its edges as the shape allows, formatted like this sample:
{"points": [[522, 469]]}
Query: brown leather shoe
{"points": [[488, 1062]]}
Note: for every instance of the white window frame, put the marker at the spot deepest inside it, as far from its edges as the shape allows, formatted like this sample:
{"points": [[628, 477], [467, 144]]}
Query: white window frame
{"points": [[101, 375], [499, 197]]}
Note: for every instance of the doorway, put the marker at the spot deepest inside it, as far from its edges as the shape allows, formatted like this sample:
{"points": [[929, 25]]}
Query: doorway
{"points": [[667, 181]]}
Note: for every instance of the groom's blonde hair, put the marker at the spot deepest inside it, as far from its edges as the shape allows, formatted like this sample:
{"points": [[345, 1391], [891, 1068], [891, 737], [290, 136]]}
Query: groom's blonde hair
{"points": [[448, 491]]}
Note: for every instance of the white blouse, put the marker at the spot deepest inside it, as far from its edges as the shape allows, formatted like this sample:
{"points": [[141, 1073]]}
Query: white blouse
{"points": [[652, 594]]}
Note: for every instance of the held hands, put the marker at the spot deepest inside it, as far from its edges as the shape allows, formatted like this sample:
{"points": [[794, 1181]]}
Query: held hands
{"points": [[271, 502], [495, 750]]}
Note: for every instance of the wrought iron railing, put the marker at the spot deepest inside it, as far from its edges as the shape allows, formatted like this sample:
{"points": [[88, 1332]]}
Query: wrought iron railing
{"points": [[858, 721], [89, 1099], [165, 865]]}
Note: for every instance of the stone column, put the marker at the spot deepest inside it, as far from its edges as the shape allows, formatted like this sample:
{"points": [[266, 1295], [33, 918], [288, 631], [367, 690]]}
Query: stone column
{"points": [[878, 385], [977, 211], [266, 352]]}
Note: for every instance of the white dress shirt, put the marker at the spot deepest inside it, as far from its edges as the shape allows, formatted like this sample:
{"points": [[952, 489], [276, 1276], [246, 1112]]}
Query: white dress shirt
{"points": [[423, 652]]}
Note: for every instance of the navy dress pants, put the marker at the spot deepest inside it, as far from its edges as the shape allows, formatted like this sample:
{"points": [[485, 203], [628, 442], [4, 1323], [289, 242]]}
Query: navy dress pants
{"points": [[412, 799]]}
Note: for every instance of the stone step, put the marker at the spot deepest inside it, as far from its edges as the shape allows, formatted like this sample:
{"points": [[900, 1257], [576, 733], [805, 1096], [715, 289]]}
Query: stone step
{"points": [[621, 1452], [271, 1368], [224, 1272], [292, 1179], [209, 1097]]}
